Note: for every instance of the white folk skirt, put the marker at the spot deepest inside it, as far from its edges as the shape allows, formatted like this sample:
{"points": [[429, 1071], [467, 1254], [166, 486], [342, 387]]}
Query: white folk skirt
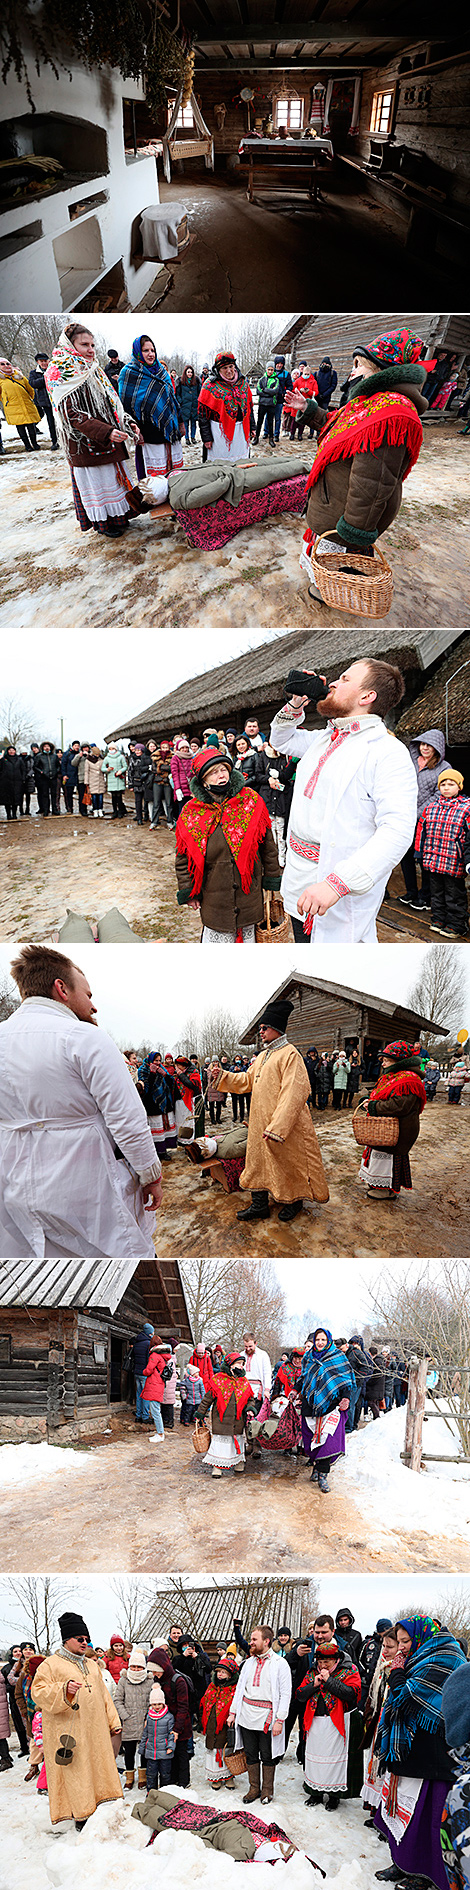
{"points": [[102, 492], [224, 1453], [216, 1769], [234, 450], [326, 1756]]}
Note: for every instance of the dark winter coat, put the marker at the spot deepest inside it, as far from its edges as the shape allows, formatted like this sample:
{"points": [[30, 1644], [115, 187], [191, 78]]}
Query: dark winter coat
{"points": [[140, 1352], [408, 1111], [375, 1386], [197, 1670], [371, 1651], [12, 776], [94, 447], [176, 1691], [365, 490], [359, 1361], [428, 1755], [69, 765], [268, 391], [187, 396], [229, 1425], [141, 771], [41, 396], [326, 379], [224, 906], [349, 1639], [46, 767]]}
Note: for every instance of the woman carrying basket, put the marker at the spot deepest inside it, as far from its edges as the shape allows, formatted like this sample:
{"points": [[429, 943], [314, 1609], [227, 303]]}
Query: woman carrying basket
{"points": [[367, 448], [225, 852], [400, 1093]]}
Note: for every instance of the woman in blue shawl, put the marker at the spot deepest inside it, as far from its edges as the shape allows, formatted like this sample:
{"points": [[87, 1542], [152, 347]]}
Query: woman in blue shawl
{"points": [[147, 392], [158, 1091], [414, 1757], [327, 1384]]}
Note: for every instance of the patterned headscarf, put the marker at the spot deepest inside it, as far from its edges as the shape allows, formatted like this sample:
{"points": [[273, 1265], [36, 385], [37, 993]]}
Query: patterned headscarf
{"points": [[226, 398], [147, 389], [417, 1704], [68, 374], [326, 1376], [394, 349]]}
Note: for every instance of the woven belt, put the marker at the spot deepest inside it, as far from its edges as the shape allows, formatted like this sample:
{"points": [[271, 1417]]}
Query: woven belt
{"points": [[305, 849]]}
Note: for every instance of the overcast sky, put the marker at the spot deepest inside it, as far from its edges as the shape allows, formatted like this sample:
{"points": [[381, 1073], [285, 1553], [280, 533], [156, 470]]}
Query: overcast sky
{"points": [[120, 672], [201, 335], [368, 1596], [139, 993]]}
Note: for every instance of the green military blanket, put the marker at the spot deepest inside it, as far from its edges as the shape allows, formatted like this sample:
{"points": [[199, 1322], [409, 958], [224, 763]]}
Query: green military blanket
{"points": [[204, 485]]}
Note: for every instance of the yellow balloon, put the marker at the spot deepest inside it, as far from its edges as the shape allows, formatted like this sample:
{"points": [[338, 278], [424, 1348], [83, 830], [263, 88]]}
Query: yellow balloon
{"points": [[462, 1036]]}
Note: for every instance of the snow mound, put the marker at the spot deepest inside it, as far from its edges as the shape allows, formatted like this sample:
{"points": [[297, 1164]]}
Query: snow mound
{"points": [[373, 1473], [23, 1463]]}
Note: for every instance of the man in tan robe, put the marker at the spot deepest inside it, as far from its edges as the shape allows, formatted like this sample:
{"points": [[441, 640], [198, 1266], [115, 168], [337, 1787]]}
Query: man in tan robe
{"points": [[76, 1707], [282, 1155]]}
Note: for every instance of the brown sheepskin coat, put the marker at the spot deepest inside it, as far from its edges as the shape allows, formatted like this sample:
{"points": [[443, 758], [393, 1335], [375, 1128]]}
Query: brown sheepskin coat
{"points": [[289, 1165]]}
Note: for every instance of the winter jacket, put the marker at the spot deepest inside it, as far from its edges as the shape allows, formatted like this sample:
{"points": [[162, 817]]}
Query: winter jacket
{"points": [[94, 446], [18, 402], [341, 1069], [158, 1739], [428, 1755], [69, 765], [407, 1108], [176, 1691], [224, 906], [154, 1381], [366, 489], [359, 1360], [169, 1393], [94, 777], [28, 770], [268, 391], [4, 1713], [427, 778], [131, 1701], [114, 767], [370, 1655], [12, 776], [181, 770], [192, 1391], [327, 380], [187, 396], [140, 1352], [229, 1425], [46, 767], [284, 383], [349, 1639], [196, 1669], [141, 771], [39, 389], [162, 762]]}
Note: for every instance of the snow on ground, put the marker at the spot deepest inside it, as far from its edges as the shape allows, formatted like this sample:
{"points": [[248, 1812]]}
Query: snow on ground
{"points": [[26, 1463], [373, 1472], [111, 1853]]}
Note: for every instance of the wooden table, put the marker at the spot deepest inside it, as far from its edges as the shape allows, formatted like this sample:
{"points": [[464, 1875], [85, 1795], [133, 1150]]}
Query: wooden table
{"points": [[268, 157]]}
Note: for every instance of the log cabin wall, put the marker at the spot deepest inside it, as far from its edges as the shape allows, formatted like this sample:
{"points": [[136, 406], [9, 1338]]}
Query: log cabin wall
{"points": [[37, 1370], [430, 114], [220, 88]]}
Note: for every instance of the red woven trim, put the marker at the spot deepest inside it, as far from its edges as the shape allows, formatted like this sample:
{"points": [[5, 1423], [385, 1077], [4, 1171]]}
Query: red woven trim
{"points": [[305, 849], [335, 742], [191, 839], [361, 428], [227, 421], [225, 1387], [339, 886]]}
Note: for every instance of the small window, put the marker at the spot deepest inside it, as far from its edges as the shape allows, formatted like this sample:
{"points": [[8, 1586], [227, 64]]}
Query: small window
{"points": [[290, 112], [185, 119], [381, 114]]}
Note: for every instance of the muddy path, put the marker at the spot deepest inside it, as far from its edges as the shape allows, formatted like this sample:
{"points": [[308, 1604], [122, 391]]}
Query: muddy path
{"points": [[431, 1221], [55, 575], [145, 1507], [88, 866]]}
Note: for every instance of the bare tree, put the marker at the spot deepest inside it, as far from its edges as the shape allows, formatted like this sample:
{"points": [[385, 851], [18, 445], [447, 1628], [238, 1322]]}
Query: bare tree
{"points": [[133, 1597], [24, 336], [437, 992], [430, 1316], [225, 1301], [9, 1002], [16, 722], [39, 1599], [216, 1034], [252, 341], [453, 1609]]}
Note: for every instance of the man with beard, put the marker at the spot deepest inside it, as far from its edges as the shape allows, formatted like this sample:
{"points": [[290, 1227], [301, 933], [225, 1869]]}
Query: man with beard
{"points": [[353, 810], [69, 1106], [80, 1726]]}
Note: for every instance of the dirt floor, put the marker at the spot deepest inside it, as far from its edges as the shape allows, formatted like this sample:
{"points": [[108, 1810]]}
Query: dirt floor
{"points": [[55, 575], [432, 1220], [142, 1507], [242, 255], [88, 866]]}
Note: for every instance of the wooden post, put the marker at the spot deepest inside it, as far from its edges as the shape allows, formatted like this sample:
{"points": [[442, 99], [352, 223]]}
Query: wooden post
{"points": [[417, 1439], [410, 1408]]}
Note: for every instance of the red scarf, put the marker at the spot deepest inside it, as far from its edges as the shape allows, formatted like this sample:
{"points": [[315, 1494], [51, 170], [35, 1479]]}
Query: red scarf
{"points": [[226, 1388], [404, 1083], [361, 426], [334, 1706], [221, 1698], [224, 400], [244, 820]]}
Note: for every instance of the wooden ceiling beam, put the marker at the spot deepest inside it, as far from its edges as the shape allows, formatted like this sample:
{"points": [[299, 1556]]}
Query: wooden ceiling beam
{"points": [[331, 67], [330, 32]]}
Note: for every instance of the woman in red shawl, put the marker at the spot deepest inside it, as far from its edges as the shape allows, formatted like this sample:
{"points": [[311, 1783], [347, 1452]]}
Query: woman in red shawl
{"points": [[225, 851], [230, 1399], [225, 411], [399, 1092], [215, 1707]]}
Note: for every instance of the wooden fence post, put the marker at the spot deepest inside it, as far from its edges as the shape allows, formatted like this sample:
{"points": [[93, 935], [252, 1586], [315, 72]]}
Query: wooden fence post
{"points": [[410, 1408], [417, 1438]]}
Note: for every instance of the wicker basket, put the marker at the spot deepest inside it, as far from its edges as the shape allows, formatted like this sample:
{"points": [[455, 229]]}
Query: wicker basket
{"points": [[201, 1438], [235, 1762], [375, 1131], [366, 591], [275, 928]]}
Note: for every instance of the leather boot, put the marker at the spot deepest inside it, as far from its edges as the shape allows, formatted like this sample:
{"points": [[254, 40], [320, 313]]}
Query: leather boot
{"points": [[129, 1782], [267, 1785], [142, 1778], [254, 1777], [259, 1209]]}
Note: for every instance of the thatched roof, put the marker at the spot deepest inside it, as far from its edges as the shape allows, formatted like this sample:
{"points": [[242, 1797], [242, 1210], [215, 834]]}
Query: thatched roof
{"points": [[209, 1612], [324, 996], [429, 708], [257, 676]]}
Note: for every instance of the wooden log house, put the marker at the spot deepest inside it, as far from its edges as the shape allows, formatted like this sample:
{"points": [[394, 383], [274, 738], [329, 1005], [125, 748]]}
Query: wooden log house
{"points": [[65, 1332], [335, 1017]]}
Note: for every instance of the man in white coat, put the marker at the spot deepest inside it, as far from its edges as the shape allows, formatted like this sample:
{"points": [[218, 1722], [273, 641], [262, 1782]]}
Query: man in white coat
{"points": [[67, 1104], [258, 1368], [353, 812], [259, 1711]]}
